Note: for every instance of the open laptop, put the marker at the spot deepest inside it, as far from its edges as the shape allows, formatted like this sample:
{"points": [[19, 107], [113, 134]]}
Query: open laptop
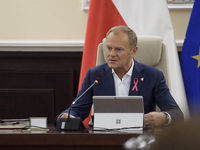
{"points": [[111, 112]]}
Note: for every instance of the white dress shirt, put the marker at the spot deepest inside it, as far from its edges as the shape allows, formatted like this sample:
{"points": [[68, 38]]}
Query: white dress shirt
{"points": [[122, 86]]}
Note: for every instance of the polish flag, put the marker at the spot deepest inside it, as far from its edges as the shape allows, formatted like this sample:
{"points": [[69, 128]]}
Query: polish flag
{"points": [[145, 18]]}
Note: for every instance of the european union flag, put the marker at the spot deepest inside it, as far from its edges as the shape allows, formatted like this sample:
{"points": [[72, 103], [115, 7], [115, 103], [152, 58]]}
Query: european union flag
{"points": [[190, 61]]}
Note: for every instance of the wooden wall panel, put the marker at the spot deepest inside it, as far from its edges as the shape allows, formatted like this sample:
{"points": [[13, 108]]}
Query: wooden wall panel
{"points": [[36, 84], [25, 103]]}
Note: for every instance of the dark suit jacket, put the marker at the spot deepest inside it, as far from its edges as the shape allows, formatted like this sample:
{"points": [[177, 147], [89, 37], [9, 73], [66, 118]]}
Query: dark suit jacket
{"points": [[151, 85]]}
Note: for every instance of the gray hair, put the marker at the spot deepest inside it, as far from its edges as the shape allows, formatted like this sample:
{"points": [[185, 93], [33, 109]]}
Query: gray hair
{"points": [[131, 34]]}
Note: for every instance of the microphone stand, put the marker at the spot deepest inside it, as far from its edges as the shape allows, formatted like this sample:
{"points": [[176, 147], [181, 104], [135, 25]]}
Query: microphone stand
{"points": [[78, 99], [73, 123]]}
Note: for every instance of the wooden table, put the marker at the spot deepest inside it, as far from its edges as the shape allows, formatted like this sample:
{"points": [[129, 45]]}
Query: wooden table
{"points": [[54, 140]]}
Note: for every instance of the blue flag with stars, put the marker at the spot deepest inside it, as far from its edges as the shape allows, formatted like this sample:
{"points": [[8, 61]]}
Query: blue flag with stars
{"points": [[190, 61]]}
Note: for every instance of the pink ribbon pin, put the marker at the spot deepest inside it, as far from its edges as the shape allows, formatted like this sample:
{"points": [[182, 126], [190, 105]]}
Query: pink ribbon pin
{"points": [[135, 84]]}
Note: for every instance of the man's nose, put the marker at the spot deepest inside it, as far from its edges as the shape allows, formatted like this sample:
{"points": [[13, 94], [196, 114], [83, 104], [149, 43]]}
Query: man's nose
{"points": [[112, 52]]}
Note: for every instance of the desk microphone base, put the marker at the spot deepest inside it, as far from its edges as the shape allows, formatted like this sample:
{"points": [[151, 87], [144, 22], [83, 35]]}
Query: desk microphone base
{"points": [[70, 124]]}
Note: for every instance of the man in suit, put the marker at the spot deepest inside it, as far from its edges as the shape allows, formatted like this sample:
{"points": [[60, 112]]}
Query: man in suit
{"points": [[124, 76]]}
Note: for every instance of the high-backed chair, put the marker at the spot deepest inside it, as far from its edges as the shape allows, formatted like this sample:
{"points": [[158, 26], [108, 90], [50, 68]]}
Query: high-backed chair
{"points": [[151, 51]]}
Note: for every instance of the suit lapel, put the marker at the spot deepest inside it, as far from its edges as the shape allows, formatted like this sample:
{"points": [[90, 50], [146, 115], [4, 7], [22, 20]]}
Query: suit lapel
{"points": [[108, 81], [137, 79]]}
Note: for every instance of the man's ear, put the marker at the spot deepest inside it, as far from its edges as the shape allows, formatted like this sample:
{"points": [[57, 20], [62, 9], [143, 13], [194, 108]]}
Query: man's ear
{"points": [[134, 50]]}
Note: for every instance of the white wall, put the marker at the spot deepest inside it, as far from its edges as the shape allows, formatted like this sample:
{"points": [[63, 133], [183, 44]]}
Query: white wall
{"points": [[58, 20], [42, 20]]}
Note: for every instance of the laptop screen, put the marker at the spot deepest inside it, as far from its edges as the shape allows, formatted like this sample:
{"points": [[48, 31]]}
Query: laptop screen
{"points": [[118, 112]]}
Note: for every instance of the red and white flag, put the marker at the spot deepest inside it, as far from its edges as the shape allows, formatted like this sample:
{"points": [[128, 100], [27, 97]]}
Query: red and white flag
{"points": [[145, 18]]}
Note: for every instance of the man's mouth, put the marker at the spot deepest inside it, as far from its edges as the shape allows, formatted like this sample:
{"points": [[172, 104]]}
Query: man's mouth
{"points": [[112, 60]]}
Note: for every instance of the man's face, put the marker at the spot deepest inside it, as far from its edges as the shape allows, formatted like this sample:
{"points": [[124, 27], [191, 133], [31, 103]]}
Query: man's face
{"points": [[118, 52]]}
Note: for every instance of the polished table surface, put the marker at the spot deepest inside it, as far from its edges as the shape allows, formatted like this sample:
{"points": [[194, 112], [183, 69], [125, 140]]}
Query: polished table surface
{"points": [[53, 139]]}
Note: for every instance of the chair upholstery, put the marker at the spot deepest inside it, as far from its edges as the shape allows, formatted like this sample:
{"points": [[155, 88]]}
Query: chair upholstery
{"points": [[151, 51]]}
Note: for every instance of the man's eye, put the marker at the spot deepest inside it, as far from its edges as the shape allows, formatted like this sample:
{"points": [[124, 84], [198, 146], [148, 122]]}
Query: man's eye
{"points": [[119, 49], [109, 48]]}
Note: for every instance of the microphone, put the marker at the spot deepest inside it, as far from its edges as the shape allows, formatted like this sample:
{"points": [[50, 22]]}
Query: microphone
{"points": [[74, 123], [96, 81]]}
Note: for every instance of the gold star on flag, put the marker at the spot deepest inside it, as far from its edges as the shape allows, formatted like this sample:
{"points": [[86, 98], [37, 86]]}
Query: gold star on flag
{"points": [[197, 57]]}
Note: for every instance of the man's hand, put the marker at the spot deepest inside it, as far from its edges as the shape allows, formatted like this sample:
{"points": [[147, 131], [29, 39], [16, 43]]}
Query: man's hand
{"points": [[65, 115], [155, 119]]}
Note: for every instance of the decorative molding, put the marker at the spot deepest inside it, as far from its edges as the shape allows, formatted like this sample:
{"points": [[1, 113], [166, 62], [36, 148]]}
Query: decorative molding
{"points": [[180, 1], [183, 5], [42, 43], [42, 46], [85, 5], [180, 6], [179, 43], [65, 46]]}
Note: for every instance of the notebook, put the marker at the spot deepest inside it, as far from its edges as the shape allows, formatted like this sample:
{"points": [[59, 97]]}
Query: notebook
{"points": [[112, 112]]}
